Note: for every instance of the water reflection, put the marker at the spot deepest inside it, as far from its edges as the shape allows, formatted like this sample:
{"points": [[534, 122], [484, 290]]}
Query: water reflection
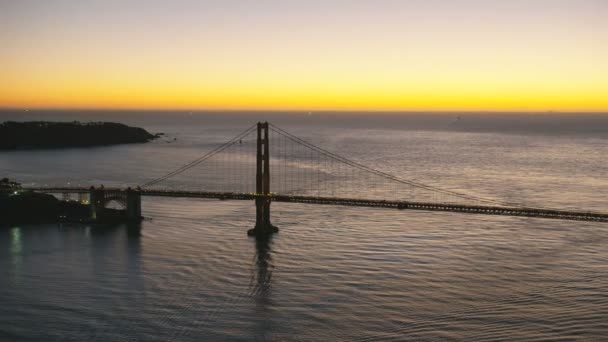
{"points": [[16, 254], [133, 231], [117, 245], [134, 261], [16, 244], [261, 280], [261, 284]]}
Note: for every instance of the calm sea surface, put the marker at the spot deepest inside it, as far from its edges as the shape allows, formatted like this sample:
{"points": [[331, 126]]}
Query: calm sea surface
{"points": [[190, 273]]}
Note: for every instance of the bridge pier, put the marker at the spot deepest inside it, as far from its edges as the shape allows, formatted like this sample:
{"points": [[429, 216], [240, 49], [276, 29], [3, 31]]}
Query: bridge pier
{"points": [[263, 226], [97, 203], [131, 199], [133, 205]]}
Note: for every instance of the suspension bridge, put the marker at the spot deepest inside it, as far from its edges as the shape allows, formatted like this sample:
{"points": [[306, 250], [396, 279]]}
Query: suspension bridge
{"points": [[241, 169]]}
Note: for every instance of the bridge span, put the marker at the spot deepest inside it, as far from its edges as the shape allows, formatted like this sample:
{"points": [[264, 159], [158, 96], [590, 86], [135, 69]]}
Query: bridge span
{"points": [[354, 202], [299, 170]]}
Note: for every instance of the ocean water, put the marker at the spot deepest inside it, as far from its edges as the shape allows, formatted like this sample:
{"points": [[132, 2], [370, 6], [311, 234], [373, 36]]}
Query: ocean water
{"points": [[189, 272]]}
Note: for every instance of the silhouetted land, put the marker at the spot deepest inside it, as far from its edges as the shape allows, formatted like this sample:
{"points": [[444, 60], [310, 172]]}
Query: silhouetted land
{"points": [[44, 134], [18, 206], [30, 207]]}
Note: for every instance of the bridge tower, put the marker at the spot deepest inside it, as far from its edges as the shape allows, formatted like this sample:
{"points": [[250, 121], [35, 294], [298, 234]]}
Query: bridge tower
{"points": [[97, 202], [262, 186], [133, 205], [131, 199]]}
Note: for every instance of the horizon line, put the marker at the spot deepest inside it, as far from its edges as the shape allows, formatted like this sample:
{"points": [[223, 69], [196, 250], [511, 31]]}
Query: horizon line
{"points": [[275, 110]]}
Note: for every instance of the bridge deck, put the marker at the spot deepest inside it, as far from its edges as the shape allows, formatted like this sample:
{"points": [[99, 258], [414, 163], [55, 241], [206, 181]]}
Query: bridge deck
{"points": [[402, 205]]}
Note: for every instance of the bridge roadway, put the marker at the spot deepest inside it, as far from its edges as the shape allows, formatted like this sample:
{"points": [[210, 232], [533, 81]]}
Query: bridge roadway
{"points": [[401, 205]]}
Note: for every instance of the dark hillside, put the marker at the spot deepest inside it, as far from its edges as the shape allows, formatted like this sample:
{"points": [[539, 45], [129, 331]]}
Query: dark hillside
{"points": [[42, 134]]}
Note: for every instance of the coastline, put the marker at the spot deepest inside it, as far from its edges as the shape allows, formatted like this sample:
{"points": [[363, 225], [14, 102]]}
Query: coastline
{"points": [[30, 135]]}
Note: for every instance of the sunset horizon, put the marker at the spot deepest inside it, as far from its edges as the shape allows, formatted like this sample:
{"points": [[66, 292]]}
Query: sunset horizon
{"points": [[464, 55], [292, 110]]}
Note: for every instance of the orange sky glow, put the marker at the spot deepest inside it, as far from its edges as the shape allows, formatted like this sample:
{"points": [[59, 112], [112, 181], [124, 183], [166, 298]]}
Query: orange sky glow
{"points": [[316, 55]]}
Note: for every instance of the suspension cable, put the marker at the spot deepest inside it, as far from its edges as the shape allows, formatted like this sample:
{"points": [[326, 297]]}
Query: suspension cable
{"points": [[381, 173], [201, 159]]}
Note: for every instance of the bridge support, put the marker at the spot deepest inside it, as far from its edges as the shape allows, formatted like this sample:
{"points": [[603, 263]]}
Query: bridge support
{"points": [[133, 205], [131, 199], [262, 202], [97, 203]]}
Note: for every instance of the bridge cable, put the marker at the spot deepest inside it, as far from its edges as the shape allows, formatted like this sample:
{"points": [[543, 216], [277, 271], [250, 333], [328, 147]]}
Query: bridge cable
{"points": [[201, 159], [384, 174]]}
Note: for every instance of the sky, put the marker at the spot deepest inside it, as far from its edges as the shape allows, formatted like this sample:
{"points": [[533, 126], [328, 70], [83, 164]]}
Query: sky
{"points": [[387, 55]]}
